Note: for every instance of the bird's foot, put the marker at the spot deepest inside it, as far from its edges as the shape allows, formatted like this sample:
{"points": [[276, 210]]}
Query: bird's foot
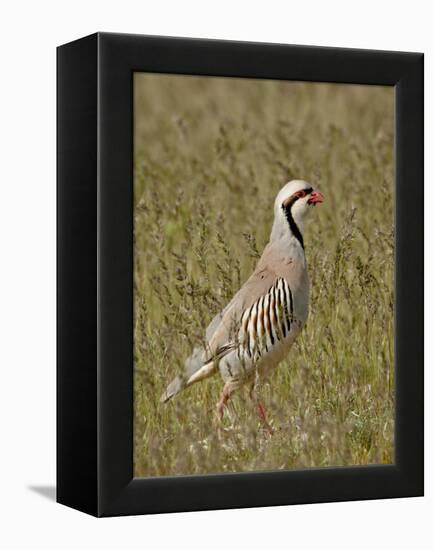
{"points": [[268, 430]]}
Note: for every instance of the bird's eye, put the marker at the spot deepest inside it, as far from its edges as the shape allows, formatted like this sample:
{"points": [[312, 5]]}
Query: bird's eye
{"points": [[301, 194]]}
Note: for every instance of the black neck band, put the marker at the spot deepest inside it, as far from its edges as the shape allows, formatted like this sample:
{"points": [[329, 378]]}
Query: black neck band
{"points": [[293, 226]]}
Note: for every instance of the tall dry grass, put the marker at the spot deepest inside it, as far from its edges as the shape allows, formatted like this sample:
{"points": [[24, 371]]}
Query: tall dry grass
{"points": [[210, 156]]}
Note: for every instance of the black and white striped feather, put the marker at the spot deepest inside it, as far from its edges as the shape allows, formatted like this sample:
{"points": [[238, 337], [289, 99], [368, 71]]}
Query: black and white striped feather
{"points": [[267, 322]]}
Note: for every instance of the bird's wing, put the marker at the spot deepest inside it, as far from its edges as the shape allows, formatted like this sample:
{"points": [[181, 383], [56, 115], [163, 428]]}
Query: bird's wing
{"points": [[226, 329], [274, 264]]}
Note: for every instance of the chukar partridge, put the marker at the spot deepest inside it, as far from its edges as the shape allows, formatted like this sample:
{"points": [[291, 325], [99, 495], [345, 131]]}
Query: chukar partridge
{"points": [[257, 328]]}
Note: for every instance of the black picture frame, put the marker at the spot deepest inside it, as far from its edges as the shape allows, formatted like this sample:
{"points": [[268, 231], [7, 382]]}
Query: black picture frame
{"points": [[95, 263]]}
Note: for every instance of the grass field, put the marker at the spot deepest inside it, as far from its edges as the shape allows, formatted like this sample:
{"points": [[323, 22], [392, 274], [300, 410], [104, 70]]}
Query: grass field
{"points": [[210, 156]]}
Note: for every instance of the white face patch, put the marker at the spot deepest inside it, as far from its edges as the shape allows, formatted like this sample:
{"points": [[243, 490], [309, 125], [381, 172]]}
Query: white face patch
{"points": [[299, 209], [294, 213]]}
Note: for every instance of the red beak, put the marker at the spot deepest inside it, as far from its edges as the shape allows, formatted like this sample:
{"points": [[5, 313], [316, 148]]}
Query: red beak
{"points": [[315, 197]]}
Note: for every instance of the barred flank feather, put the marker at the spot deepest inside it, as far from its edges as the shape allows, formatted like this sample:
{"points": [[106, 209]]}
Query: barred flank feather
{"points": [[268, 321]]}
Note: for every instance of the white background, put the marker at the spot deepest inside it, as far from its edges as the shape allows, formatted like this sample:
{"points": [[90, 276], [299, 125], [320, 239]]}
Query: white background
{"points": [[30, 31]]}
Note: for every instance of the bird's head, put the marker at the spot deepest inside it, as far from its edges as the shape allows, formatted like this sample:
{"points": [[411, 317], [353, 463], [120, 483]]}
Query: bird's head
{"points": [[292, 204]]}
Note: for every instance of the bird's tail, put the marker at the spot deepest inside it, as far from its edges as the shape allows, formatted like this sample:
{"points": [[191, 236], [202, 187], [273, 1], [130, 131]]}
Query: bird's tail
{"points": [[177, 384], [191, 377]]}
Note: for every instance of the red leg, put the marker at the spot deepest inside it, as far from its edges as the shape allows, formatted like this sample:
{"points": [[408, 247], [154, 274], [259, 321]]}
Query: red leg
{"points": [[224, 398], [260, 409]]}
